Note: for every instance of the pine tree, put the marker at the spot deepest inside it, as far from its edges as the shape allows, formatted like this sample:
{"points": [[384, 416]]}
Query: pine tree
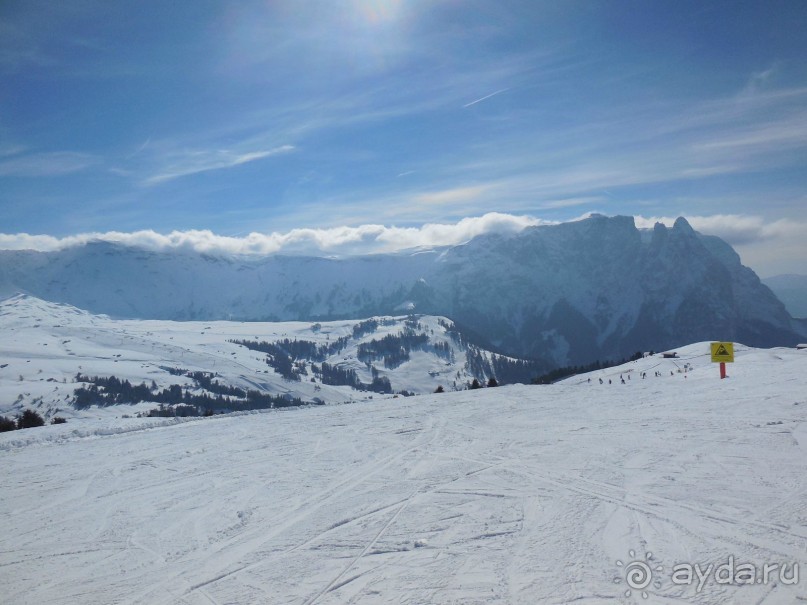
{"points": [[29, 419]]}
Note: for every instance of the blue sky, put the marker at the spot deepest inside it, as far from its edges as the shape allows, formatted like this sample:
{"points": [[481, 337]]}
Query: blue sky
{"points": [[240, 117]]}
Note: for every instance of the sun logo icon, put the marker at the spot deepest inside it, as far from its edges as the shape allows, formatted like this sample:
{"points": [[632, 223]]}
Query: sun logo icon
{"points": [[638, 574]]}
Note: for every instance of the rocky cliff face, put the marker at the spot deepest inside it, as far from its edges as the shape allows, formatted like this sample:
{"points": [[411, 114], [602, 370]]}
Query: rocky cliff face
{"points": [[571, 293]]}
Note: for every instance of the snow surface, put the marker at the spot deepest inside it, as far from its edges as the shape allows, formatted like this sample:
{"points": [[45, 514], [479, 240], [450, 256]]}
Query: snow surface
{"points": [[46, 344], [509, 495]]}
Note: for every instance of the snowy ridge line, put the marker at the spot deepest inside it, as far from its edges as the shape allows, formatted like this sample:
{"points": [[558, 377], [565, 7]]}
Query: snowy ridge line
{"points": [[35, 436], [14, 441]]}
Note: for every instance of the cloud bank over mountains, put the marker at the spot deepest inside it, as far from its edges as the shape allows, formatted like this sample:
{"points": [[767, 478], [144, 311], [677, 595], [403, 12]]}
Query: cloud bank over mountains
{"points": [[758, 241], [364, 239]]}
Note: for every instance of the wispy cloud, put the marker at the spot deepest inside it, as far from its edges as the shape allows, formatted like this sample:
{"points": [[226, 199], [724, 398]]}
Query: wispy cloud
{"points": [[56, 163], [8, 149], [194, 162], [451, 196], [760, 80], [572, 202], [18, 50], [479, 100], [636, 146], [141, 148], [761, 138]]}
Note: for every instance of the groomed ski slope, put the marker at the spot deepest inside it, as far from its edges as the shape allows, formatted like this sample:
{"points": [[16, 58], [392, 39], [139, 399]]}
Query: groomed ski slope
{"points": [[509, 495]]}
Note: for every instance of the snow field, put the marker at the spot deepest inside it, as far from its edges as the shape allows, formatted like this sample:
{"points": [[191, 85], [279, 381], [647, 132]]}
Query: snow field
{"points": [[45, 345], [509, 495]]}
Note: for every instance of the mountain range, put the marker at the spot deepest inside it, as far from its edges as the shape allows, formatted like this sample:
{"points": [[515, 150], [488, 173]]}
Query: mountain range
{"points": [[572, 293], [791, 289]]}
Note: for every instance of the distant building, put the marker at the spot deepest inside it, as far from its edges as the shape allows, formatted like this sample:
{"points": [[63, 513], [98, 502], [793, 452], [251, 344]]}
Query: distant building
{"points": [[801, 346], [669, 355]]}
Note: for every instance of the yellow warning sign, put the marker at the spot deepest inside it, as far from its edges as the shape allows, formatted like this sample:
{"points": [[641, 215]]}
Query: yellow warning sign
{"points": [[722, 351]]}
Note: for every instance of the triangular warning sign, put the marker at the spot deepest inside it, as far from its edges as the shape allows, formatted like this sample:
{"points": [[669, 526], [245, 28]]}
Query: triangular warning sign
{"points": [[722, 352]]}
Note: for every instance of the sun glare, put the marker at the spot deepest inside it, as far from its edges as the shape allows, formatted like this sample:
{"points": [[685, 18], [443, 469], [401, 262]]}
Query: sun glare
{"points": [[379, 11]]}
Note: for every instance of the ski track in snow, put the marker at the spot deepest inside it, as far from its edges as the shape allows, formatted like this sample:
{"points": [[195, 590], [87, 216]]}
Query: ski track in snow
{"points": [[510, 495]]}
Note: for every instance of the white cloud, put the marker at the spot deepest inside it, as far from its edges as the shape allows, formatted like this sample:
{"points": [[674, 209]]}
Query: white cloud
{"points": [[762, 138], [56, 163], [768, 247], [736, 229], [480, 99], [193, 162], [451, 196], [336, 240], [8, 149], [572, 202]]}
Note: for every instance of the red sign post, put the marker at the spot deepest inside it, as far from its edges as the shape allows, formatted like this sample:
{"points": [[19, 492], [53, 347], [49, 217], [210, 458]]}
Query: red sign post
{"points": [[722, 352]]}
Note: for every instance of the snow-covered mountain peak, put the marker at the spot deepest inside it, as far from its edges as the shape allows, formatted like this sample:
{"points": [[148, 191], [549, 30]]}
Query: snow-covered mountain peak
{"points": [[571, 293]]}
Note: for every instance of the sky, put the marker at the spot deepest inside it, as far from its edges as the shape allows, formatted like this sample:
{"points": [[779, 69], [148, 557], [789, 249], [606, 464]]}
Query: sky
{"points": [[377, 124]]}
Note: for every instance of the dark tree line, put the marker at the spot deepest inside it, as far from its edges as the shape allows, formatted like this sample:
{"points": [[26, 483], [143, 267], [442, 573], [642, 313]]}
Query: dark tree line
{"points": [[205, 381], [453, 333], [565, 372], [443, 350], [511, 371], [413, 322], [109, 390], [288, 357], [105, 391], [365, 327], [380, 384], [336, 376], [27, 420], [394, 349], [281, 355], [506, 370]]}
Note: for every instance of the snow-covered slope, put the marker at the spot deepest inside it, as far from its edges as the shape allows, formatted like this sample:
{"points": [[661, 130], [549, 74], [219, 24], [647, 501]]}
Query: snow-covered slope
{"points": [[515, 495], [791, 290], [45, 345], [565, 294]]}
